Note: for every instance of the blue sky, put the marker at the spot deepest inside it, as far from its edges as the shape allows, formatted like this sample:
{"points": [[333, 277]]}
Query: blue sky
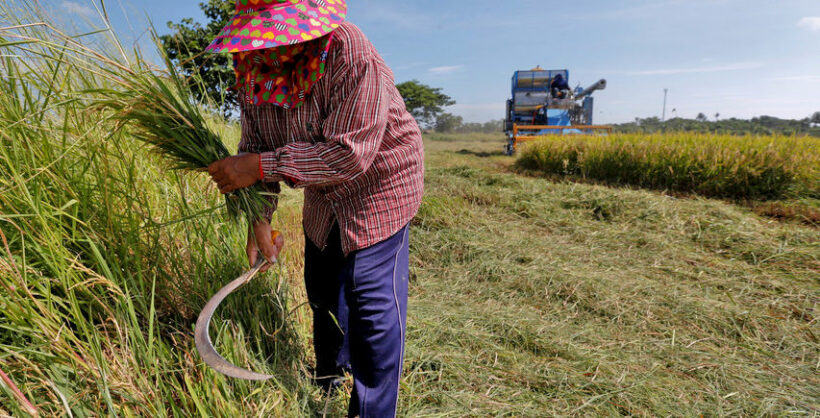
{"points": [[739, 58]]}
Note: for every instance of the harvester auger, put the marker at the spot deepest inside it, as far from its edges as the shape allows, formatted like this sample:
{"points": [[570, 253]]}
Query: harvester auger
{"points": [[542, 104]]}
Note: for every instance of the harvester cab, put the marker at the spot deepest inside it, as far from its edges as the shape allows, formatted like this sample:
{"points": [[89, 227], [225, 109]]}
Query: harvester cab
{"points": [[542, 103]]}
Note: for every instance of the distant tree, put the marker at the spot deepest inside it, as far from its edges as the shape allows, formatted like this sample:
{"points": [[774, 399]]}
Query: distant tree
{"points": [[493, 126], [185, 46], [815, 118], [717, 116], [425, 103], [762, 125], [701, 117], [447, 122]]}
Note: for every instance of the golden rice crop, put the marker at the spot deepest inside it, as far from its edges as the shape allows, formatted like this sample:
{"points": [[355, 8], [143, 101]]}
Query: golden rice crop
{"points": [[738, 167]]}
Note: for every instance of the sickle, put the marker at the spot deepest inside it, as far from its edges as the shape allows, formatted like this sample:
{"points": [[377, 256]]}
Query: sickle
{"points": [[203, 339]]}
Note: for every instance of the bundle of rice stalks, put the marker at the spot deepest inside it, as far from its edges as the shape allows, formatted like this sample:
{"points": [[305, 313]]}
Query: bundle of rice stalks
{"points": [[160, 111], [154, 105]]}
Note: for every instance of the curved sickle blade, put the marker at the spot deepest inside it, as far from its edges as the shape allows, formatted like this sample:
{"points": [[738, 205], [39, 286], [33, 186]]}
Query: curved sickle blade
{"points": [[203, 339]]}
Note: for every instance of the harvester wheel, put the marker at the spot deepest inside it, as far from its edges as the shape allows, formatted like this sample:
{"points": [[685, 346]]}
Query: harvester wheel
{"points": [[509, 149]]}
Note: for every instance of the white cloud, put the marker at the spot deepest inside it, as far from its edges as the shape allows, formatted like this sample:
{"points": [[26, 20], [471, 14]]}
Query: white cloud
{"points": [[811, 23], [78, 9], [445, 70], [673, 71], [799, 78]]}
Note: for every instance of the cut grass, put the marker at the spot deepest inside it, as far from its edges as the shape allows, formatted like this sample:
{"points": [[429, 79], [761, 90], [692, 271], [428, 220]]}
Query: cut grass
{"points": [[159, 110], [534, 298], [805, 212]]}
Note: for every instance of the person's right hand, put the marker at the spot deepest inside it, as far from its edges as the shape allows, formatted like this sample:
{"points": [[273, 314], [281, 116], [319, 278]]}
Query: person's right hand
{"points": [[237, 172], [259, 241]]}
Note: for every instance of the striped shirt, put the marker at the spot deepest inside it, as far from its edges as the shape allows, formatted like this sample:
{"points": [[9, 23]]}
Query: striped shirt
{"points": [[352, 146]]}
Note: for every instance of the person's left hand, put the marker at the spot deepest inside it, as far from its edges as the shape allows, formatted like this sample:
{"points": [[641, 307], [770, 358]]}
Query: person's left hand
{"points": [[234, 173]]}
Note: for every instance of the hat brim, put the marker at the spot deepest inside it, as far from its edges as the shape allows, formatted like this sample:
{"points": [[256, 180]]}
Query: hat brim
{"points": [[277, 25]]}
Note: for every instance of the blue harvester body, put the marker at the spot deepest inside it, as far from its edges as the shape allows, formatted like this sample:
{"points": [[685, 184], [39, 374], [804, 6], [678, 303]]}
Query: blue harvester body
{"points": [[538, 109]]}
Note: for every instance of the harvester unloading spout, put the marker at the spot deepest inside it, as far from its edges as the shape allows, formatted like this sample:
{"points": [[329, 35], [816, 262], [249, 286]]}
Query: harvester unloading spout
{"points": [[600, 85], [542, 103]]}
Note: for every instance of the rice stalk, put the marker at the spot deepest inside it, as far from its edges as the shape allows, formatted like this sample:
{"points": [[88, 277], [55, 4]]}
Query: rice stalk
{"points": [[160, 112], [107, 256], [154, 105]]}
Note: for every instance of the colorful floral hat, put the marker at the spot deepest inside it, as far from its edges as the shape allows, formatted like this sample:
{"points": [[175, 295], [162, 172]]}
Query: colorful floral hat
{"points": [[260, 24]]}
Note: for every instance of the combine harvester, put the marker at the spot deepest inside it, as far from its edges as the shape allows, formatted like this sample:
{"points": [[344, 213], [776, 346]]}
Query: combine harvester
{"points": [[543, 104]]}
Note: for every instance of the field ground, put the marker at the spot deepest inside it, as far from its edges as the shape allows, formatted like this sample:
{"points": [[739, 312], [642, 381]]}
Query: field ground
{"points": [[538, 298]]}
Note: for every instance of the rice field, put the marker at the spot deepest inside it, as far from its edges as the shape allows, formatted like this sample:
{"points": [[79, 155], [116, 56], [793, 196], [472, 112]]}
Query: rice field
{"points": [[529, 297], [725, 166]]}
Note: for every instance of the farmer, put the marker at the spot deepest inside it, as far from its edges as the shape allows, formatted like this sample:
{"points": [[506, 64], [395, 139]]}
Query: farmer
{"points": [[559, 86], [320, 111]]}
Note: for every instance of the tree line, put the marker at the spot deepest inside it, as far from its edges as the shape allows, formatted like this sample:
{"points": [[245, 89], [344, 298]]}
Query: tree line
{"points": [[762, 125]]}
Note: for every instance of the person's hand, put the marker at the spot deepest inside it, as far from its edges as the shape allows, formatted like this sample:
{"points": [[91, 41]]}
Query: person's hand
{"points": [[261, 239], [234, 173]]}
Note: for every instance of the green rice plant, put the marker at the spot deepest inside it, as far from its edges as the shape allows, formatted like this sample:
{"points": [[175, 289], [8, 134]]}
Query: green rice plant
{"points": [[106, 256], [529, 298], [710, 165], [155, 105]]}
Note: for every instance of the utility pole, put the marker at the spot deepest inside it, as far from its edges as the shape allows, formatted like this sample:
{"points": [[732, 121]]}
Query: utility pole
{"points": [[663, 117]]}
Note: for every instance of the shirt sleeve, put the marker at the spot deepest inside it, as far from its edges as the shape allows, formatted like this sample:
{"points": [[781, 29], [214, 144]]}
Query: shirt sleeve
{"points": [[251, 142], [353, 130]]}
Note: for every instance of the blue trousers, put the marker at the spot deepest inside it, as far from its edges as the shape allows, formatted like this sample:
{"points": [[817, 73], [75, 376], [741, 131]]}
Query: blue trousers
{"points": [[359, 304]]}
